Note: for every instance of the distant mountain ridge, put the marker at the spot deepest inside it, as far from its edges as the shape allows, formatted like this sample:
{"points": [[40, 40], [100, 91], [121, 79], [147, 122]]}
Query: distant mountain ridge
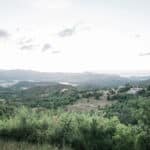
{"points": [[87, 78]]}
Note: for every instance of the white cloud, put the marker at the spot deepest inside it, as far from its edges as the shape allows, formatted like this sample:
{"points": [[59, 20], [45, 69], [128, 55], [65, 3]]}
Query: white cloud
{"points": [[55, 52], [67, 32], [145, 54], [4, 34], [46, 47], [27, 47]]}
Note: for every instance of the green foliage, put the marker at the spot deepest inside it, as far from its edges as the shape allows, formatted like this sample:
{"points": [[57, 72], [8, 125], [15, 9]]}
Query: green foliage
{"points": [[84, 131], [123, 138], [52, 96], [131, 112], [143, 141], [144, 93], [148, 88], [125, 89], [96, 94], [6, 110], [121, 96]]}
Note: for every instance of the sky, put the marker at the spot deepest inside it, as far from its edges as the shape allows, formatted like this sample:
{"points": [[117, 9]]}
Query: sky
{"points": [[75, 35]]}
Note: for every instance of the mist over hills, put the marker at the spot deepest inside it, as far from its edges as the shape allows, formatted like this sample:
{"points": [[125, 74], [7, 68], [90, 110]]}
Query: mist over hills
{"points": [[87, 78]]}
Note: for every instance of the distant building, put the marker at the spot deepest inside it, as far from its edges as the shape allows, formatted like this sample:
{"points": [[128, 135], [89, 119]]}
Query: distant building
{"points": [[63, 90], [134, 90]]}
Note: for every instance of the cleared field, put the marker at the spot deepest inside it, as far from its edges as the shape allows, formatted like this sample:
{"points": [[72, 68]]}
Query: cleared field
{"points": [[88, 104]]}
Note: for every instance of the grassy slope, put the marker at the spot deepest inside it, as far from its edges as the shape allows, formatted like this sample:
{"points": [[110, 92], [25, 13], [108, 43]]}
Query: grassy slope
{"points": [[11, 145]]}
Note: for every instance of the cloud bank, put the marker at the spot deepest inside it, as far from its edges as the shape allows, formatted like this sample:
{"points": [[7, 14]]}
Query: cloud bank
{"points": [[145, 54]]}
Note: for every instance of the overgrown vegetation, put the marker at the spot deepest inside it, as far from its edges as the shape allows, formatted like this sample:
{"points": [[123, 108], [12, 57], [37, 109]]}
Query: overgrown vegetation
{"points": [[84, 131]]}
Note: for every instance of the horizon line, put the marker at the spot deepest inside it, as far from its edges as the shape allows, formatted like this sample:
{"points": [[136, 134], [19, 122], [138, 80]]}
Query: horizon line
{"points": [[113, 72]]}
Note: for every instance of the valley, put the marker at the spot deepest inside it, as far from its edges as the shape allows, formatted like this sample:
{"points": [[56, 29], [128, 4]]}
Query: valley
{"points": [[53, 115]]}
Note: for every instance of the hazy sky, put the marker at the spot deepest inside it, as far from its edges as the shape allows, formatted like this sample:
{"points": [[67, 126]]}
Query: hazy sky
{"points": [[75, 35]]}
